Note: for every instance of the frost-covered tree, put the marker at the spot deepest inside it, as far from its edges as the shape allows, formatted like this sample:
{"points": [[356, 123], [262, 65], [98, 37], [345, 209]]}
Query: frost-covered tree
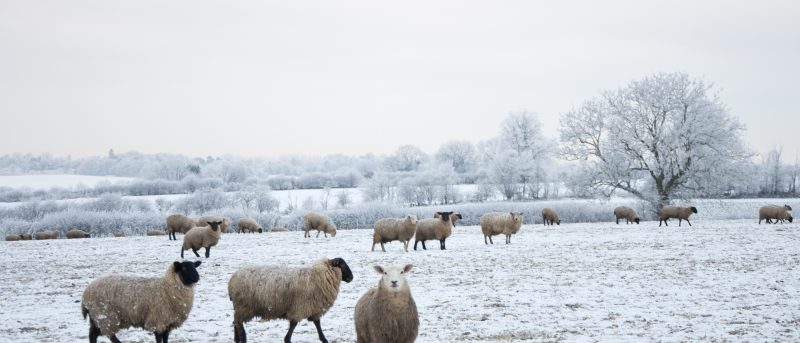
{"points": [[661, 137], [459, 154], [407, 158]]}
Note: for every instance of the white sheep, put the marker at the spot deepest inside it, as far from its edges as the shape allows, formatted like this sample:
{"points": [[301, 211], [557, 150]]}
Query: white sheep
{"points": [[495, 223], [682, 213], [394, 229], [550, 216], [202, 237], [155, 304], [439, 228], [628, 213], [248, 224], [779, 213], [179, 223], [387, 313], [281, 292], [319, 222]]}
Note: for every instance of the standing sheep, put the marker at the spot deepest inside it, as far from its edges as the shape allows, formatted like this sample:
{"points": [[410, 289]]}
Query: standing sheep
{"points": [[204, 220], [76, 233], [280, 292], [438, 228], [394, 229], [682, 213], [495, 223], [387, 313], [46, 235], [550, 216], [248, 224], [779, 213], [319, 222], [202, 237], [628, 213], [155, 304], [178, 223]]}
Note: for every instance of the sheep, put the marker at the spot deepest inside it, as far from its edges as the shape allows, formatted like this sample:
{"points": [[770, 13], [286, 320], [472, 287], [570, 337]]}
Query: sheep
{"points": [[202, 237], [319, 222], [453, 217], [25, 236], [439, 228], [388, 312], [204, 220], [779, 213], [682, 213], [247, 224], [156, 304], [11, 238], [120, 234], [495, 223], [155, 233], [46, 235], [280, 292], [394, 229], [550, 216], [76, 233], [279, 229], [628, 213], [179, 223]]}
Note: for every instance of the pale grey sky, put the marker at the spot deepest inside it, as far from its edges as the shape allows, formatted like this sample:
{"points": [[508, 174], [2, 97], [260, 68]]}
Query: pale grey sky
{"points": [[268, 78]]}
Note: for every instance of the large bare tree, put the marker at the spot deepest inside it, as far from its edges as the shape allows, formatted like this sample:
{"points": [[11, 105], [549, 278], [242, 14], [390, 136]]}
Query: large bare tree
{"points": [[661, 137]]}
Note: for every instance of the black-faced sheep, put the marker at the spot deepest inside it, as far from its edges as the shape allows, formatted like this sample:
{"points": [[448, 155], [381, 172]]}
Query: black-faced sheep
{"points": [[550, 216], [319, 222], [179, 223], [394, 229], [280, 292], [495, 223], [628, 213], [387, 313], [204, 220], [155, 304], [682, 213], [778, 213], [439, 228], [76, 233], [248, 224], [202, 237]]}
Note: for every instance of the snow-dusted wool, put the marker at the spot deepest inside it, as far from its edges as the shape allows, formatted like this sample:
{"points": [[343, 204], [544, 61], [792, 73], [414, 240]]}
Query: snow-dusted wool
{"points": [[394, 229], [495, 223], [387, 313]]}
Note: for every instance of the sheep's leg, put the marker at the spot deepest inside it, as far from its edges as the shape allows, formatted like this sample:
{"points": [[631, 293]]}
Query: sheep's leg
{"points": [[490, 240], [208, 252], [319, 331], [680, 221], [195, 252], [182, 252], [441, 244], [239, 335], [114, 339], [382, 247], [94, 331], [508, 239], [687, 220], [159, 337], [405, 246], [373, 246], [288, 338], [317, 234], [617, 221], [415, 244], [165, 336]]}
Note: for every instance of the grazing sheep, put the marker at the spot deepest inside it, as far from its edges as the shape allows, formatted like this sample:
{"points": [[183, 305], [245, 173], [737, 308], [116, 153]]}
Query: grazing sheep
{"points": [[155, 233], [46, 235], [779, 213], [280, 292], [75, 233], [628, 213], [119, 234], [11, 238], [248, 224], [279, 229], [204, 220], [550, 216], [155, 304], [25, 236], [495, 223], [438, 228], [682, 213], [202, 237], [388, 312], [319, 222], [179, 223], [394, 229]]}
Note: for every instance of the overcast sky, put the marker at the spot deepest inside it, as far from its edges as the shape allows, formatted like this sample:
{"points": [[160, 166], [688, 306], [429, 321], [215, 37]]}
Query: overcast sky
{"points": [[269, 78]]}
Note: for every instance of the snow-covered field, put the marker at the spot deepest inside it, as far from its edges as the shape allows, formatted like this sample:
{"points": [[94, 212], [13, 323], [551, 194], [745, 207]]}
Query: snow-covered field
{"points": [[46, 181], [716, 281]]}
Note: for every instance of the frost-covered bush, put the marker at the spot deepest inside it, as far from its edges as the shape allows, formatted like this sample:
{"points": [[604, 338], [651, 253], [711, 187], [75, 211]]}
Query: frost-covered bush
{"points": [[202, 202]]}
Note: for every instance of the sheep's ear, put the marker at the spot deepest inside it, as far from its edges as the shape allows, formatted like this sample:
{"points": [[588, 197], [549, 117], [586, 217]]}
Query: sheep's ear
{"points": [[379, 269], [407, 268], [177, 265], [196, 264]]}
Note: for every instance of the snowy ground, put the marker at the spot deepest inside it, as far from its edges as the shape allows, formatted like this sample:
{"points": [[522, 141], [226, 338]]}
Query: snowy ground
{"points": [[716, 281]]}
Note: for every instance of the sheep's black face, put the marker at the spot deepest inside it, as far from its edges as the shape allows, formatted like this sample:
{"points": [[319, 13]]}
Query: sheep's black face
{"points": [[188, 272], [347, 275], [636, 220], [214, 225], [790, 219], [694, 209], [445, 216]]}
